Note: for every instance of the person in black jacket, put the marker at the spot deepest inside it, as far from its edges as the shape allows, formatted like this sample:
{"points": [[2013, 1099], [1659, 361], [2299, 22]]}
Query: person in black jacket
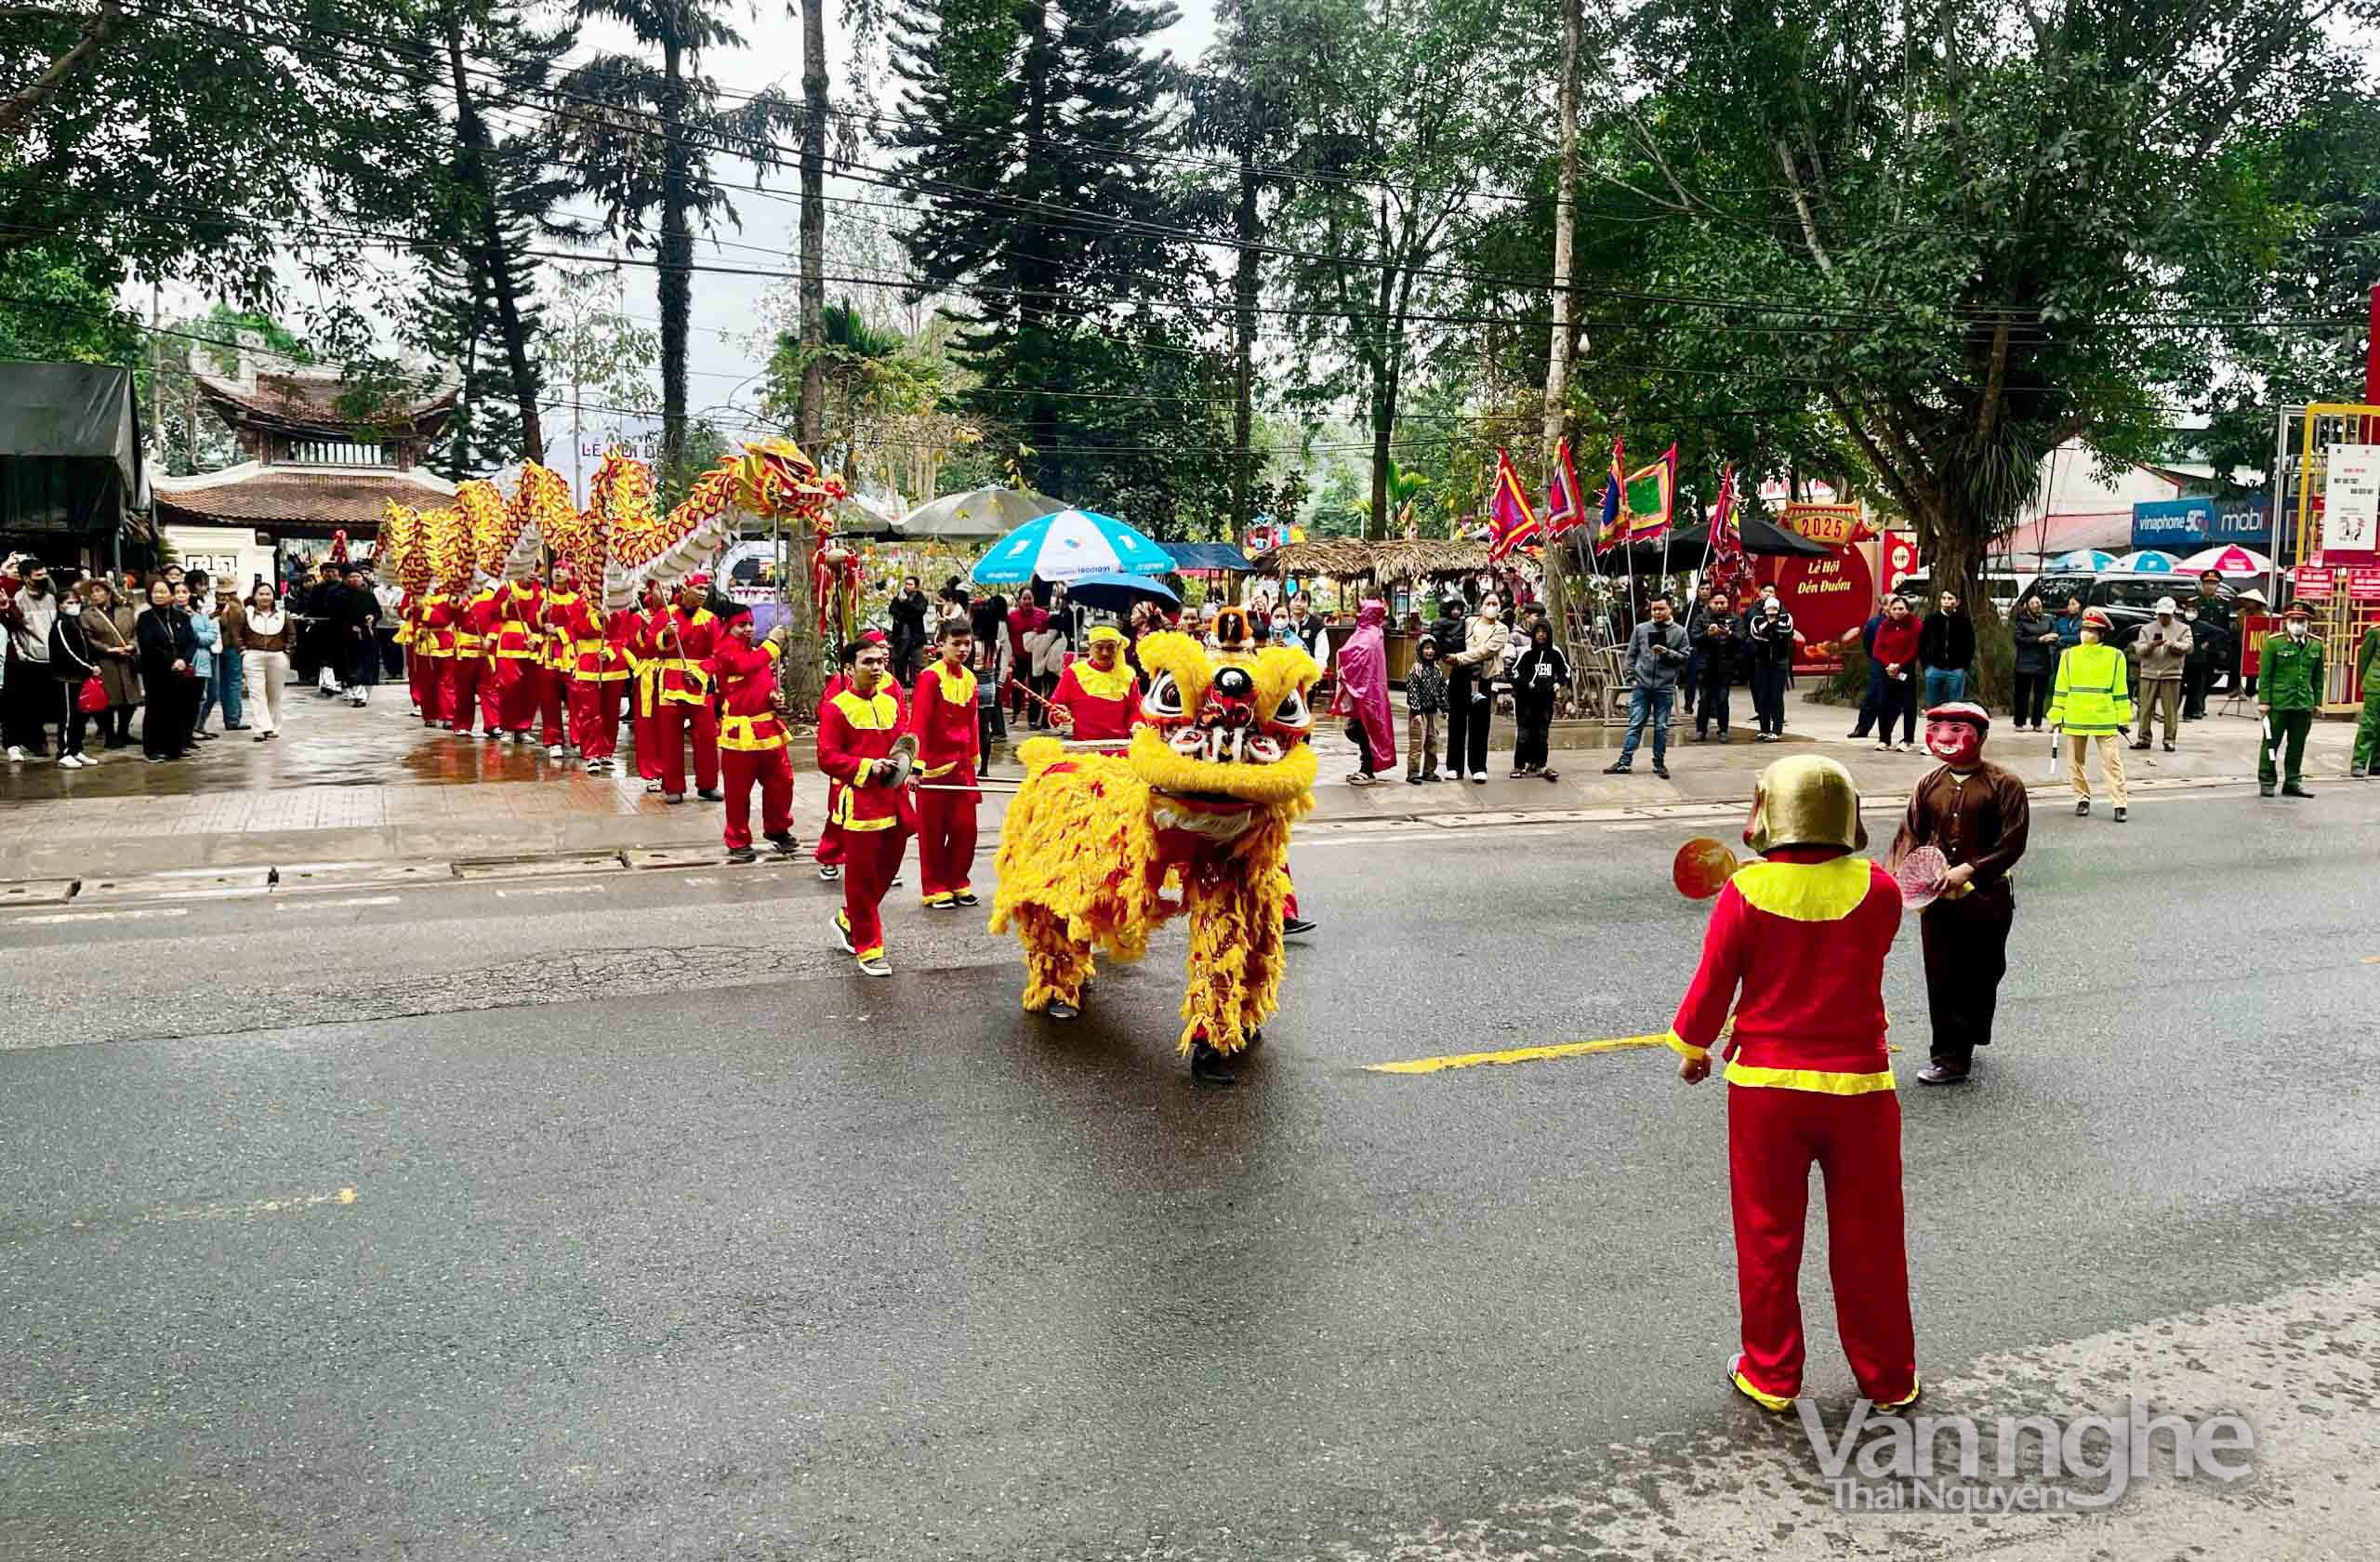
{"points": [[354, 615], [1946, 649], [72, 660], [1719, 641], [2037, 647], [1768, 645], [908, 637], [1539, 679], [168, 653]]}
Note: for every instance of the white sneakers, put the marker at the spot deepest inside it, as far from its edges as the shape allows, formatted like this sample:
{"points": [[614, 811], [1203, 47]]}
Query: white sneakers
{"points": [[15, 754], [554, 752], [74, 761]]}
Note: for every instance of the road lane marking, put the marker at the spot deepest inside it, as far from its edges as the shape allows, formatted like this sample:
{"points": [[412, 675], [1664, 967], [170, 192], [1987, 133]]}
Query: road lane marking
{"points": [[1525, 1054], [127, 916], [1518, 1054], [58, 1432], [551, 889], [327, 904], [254, 1207]]}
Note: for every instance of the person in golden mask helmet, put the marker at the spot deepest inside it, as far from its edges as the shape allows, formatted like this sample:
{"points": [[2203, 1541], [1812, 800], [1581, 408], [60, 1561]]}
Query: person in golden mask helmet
{"points": [[1797, 947]]}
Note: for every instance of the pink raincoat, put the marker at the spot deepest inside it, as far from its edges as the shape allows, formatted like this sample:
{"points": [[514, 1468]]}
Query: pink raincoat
{"points": [[1363, 684]]}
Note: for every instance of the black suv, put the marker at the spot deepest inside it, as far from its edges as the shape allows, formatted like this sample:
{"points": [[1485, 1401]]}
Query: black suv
{"points": [[2129, 600]]}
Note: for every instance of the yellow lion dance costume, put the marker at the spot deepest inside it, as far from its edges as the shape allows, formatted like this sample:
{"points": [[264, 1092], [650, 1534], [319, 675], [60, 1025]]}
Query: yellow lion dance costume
{"points": [[1201, 805]]}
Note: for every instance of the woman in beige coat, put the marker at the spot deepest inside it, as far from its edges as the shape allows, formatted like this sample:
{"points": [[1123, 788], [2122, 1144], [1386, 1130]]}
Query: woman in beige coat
{"points": [[262, 632], [107, 624]]}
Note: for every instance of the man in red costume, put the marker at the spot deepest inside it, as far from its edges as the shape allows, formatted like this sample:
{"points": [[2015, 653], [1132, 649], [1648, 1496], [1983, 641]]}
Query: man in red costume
{"points": [[516, 656], [651, 615], [752, 738], [1099, 700], [942, 714], [1803, 935], [434, 652], [474, 683], [857, 730], [585, 657], [830, 835], [684, 640], [559, 662]]}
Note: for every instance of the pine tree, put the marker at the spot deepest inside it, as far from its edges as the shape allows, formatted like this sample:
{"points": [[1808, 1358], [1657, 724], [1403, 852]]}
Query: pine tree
{"points": [[1035, 135]]}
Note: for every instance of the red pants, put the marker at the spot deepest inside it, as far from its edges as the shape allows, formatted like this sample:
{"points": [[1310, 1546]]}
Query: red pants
{"points": [[870, 860], [772, 768], [946, 835], [669, 724], [463, 678], [645, 731], [552, 689], [428, 675], [1773, 1137], [830, 835], [595, 717], [515, 691]]}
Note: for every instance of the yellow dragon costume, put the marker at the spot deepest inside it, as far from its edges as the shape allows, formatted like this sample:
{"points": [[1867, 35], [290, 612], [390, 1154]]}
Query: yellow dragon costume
{"points": [[1100, 849]]}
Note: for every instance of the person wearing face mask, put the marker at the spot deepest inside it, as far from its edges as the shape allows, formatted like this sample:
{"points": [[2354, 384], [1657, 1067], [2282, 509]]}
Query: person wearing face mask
{"points": [[1425, 712], [1539, 679], [1769, 639], [72, 660], [2289, 687], [1360, 694], [2159, 651], [26, 697], [1975, 814], [2091, 704]]}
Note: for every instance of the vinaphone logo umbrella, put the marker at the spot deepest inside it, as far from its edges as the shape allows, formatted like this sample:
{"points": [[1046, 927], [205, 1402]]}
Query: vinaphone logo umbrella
{"points": [[1070, 544]]}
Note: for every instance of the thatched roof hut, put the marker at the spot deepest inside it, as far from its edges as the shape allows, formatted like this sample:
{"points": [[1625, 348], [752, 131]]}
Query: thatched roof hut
{"points": [[1350, 559]]}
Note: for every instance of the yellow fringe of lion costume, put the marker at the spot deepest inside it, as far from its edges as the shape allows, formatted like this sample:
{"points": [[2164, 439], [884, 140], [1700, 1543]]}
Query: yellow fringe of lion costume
{"points": [[1094, 841]]}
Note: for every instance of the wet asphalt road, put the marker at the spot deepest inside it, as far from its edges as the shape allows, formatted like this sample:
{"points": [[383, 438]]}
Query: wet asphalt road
{"points": [[669, 1236]]}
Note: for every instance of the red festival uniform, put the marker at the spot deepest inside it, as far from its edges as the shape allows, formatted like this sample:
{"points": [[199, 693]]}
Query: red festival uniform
{"points": [[942, 714], [644, 690], [683, 642], [1809, 1080], [830, 851], [557, 663], [873, 820], [752, 740], [432, 655], [473, 685], [514, 657], [1105, 706], [594, 665]]}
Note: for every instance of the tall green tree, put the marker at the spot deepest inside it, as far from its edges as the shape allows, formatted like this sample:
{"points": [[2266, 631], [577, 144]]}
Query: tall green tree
{"points": [[1408, 117], [1968, 232], [652, 158], [1035, 135]]}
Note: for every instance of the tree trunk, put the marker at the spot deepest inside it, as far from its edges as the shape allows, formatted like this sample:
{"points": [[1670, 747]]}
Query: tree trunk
{"points": [[675, 282], [1953, 543], [1566, 313], [1383, 423], [495, 259], [17, 109], [813, 223], [1245, 289]]}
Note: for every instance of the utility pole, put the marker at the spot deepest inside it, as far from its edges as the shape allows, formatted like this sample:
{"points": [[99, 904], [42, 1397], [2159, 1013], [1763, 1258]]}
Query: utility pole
{"points": [[1566, 308], [156, 380]]}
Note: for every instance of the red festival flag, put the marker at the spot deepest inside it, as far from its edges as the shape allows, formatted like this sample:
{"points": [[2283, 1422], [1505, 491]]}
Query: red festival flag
{"points": [[1563, 509], [1510, 521]]}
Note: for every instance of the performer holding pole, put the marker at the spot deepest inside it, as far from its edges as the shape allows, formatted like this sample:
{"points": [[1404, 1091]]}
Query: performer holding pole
{"points": [[1803, 935], [830, 851], [943, 716], [1098, 700], [558, 663], [752, 738], [644, 668], [858, 732], [519, 652], [434, 646], [1975, 814], [686, 639]]}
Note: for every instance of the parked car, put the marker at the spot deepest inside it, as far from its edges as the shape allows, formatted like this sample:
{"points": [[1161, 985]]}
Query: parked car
{"points": [[2129, 601]]}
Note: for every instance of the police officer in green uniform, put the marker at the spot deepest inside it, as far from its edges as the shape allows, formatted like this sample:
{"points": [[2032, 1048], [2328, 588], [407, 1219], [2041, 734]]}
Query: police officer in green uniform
{"points": [[2289, 684], [2367, 727]]}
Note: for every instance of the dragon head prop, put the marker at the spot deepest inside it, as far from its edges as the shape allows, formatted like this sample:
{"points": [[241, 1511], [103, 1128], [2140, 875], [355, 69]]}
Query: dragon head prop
{"points": [[1225, 726]]}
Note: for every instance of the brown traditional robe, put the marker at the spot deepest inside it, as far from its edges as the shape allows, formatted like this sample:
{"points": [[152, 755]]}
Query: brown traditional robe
{"points": [[1980, 818]]}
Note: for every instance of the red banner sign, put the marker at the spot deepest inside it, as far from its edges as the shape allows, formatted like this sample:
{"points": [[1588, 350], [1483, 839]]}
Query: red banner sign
{"points": [[2363, 584], [2311, 580]]}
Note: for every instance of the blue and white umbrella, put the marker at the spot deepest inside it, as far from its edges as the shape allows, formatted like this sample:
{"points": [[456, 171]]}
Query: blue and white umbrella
{"points": [[2148, 560], [1068, 545], [2089, 558]]}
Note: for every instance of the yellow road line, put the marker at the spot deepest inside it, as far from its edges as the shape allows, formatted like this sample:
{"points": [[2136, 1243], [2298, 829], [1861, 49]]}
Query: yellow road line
{"points": [[1517, 1054], [1525, 1054]]}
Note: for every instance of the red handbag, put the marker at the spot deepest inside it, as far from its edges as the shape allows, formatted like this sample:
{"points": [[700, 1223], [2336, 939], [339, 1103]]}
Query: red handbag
{"points": [[92, 697]]}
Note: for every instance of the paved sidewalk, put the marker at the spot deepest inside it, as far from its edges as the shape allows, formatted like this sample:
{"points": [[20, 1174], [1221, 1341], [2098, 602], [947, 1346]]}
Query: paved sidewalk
{"points": [[343, 786]]}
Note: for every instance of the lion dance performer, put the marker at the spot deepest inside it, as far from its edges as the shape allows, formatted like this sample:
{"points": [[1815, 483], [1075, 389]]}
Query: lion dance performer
{"points": [[1205, 797], [1804, 935], [1976, 816], [858, 731]]}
